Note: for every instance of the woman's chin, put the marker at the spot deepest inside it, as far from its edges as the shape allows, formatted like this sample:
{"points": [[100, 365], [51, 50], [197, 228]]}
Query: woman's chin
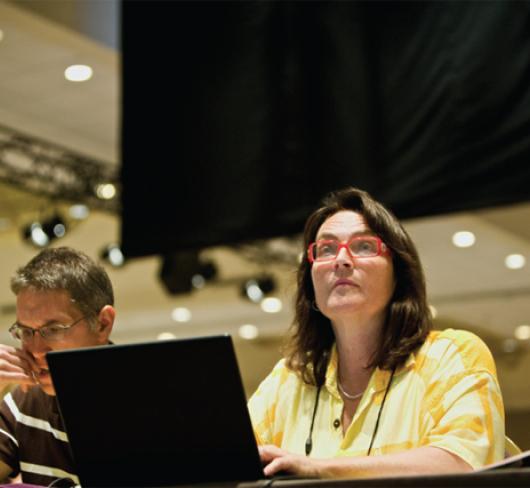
{"points": [[344, 303], [342, 306]]}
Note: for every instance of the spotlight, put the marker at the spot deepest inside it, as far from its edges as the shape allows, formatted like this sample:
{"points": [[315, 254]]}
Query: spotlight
{"points": [[183, 271], [34, 234], [206, 271], [54, 227], [113, 255], [106, 191], [41, 234], [255, 289]]}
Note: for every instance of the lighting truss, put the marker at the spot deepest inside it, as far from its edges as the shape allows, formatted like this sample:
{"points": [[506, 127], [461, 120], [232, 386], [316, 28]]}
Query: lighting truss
{"points": [[279, 251], [43, 168]]}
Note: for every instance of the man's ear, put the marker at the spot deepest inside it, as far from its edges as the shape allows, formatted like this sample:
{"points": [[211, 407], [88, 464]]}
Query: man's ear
{"points": [[105, 322]]}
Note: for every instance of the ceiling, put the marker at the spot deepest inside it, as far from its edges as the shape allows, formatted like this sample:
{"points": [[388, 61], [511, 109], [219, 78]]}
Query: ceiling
{"points": [[470, 287]]}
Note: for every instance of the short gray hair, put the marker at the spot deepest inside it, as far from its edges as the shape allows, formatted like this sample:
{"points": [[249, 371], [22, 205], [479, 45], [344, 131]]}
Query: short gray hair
{"points": [[64, 268]]}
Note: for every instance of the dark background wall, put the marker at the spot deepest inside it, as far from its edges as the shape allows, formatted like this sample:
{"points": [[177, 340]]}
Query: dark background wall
{"points": [[239, 116]]}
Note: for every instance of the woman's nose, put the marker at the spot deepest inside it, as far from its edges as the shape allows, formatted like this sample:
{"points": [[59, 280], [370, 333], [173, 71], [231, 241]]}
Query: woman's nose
{"points": [[344, 258]]}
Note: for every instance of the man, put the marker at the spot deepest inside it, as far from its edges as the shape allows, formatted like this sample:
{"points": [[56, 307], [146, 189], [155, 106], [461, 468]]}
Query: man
{"points": [[64, 300]]}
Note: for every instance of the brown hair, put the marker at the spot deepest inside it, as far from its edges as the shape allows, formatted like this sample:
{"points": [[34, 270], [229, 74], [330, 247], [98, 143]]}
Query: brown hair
{"points": [[64, 268], [408, 318]]}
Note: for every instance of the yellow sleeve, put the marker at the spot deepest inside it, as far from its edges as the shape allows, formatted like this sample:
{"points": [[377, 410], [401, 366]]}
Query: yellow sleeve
{"points": [[463, 406], [263, 406]]}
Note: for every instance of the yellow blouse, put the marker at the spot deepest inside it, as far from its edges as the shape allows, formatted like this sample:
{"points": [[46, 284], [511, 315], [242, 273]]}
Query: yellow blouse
{"points": [[445, 395]]}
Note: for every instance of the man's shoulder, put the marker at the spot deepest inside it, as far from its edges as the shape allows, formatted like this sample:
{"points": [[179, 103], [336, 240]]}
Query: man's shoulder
{"points": [[12, 396], [34, 394], [34, 402]]}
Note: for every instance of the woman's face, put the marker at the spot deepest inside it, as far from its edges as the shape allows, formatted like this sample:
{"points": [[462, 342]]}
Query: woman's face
{"points": [[345, 287]]}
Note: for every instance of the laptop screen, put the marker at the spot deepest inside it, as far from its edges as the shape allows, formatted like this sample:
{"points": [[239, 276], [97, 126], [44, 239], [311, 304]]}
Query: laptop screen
{"points": [[156, 414]]}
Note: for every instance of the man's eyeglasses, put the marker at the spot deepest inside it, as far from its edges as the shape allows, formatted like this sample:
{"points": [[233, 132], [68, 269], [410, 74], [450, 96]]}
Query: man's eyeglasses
{"points": [[357, 247], [50, 333]]}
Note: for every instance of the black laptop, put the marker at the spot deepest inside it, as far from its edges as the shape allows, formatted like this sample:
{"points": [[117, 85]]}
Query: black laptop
{"points": [[156, 414]]}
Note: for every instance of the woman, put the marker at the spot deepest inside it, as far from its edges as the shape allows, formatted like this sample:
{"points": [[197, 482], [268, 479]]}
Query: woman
{"points": [[366, 388]]}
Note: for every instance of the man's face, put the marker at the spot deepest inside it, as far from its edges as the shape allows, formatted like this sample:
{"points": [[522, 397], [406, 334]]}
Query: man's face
{"points": [[36, 309]]}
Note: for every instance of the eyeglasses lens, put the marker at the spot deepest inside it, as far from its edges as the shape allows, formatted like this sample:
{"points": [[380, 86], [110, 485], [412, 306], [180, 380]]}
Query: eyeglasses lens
{"points": [[364, 247], [325, 249], [52, 333]]}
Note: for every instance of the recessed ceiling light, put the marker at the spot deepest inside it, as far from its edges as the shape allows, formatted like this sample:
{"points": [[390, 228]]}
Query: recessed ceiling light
{"points": [[515, 261], [181, 314], [463, 238], [165, 336], [522, 332], [78, 72], [248, 331], [271, 305], [79, 211], [1, 35]]}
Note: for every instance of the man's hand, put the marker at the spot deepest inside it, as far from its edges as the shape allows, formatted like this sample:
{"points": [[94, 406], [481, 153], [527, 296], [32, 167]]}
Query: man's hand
{"points": [[5, 471], [16, 366], [277, 460]]}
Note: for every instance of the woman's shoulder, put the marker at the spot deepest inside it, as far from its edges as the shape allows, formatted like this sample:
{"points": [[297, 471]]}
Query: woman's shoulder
{"points": [[458, 338], [281, 385], [463, 345], [281, 375]]}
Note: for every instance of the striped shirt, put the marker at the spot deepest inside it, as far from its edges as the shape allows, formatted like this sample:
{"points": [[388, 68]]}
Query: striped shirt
{"points": [[32, 438], [445, 395]]}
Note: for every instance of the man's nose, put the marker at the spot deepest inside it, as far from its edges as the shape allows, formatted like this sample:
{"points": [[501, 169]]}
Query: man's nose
{"points": [[37, 346]]}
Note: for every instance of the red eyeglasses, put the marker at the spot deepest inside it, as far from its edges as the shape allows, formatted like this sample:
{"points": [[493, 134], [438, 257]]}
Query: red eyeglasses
{"points": [[357, 247]]}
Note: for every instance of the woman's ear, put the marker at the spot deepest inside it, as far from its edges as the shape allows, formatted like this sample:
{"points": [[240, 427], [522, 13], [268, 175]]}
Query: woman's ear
{"points": [[106, 318]]}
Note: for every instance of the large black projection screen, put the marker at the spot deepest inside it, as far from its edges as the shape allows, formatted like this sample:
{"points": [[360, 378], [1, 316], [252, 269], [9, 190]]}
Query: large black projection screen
{"points": [[239, 116]]}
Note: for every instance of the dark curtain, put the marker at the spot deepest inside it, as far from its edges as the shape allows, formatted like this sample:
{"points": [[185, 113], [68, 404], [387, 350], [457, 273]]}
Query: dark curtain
{"points": [[239, 116]]}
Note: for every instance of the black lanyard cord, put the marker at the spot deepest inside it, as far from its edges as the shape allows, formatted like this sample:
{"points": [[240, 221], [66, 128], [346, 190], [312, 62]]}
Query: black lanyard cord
{"points": [[379, 413], [309, 441]]}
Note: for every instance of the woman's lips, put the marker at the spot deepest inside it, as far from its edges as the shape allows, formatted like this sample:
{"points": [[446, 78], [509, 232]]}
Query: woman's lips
{"points": [[344, 282]]}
